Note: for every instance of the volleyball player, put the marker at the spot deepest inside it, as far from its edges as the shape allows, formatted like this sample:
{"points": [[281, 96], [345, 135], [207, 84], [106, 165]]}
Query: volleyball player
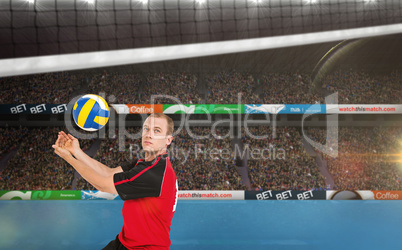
{"points": [[148, 186]]}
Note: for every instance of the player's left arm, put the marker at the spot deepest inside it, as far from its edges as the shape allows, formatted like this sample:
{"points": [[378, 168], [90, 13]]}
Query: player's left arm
{"points": [[103, 183], [100, 182]]}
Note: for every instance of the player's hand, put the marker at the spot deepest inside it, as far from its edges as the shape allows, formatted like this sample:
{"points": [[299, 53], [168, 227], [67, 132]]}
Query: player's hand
{"points": [[70, 143], [61, 151]]}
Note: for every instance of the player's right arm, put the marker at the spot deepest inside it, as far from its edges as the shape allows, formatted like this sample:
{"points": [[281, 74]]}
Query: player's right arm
{"points": [[74, 149]]}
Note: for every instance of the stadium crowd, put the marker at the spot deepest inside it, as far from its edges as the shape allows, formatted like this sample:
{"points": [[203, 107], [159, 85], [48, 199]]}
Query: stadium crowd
{"points": [[359, 87], [139, 88], [367, 158], [224, 87], [221, 88], [284, 165], [10, 139], [205, 163], [363, 153], [50, 88], [287, 88], [35, 166], [182, 86], [116, 88]]}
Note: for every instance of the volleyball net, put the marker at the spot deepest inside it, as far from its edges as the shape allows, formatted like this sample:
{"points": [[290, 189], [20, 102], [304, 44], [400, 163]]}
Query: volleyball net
{"points": [[59, 35]]}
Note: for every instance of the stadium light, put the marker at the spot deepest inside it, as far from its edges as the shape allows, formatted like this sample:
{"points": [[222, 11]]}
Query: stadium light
{"points": [[258, 1], [311, 1], [200, 1], [90, 1], [370, 1], [30, 1]]}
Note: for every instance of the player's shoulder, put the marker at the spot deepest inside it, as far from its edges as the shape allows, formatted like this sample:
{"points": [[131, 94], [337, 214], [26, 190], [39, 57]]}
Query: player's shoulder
{"points": [[126, 166], [161, 160], [164, 162], [162, 157]]}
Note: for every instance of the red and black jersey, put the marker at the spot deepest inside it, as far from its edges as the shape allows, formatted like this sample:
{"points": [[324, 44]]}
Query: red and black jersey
{"points": [[149, 189]]}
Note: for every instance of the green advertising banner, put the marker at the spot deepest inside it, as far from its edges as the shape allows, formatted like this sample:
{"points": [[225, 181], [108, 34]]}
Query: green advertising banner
{"points": [[15, 195], [41, 195], [203, 108], [56, 195]]}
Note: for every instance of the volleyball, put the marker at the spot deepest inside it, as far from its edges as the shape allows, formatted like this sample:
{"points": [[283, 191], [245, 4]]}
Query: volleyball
{"points": [[91, 112]]}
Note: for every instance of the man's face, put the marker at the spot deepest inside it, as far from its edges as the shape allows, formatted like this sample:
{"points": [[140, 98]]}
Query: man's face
{"points": [[154, 136]]}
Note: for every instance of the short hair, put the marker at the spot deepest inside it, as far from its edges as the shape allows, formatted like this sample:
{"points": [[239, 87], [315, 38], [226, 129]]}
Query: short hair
{"points": [[170, 123]]}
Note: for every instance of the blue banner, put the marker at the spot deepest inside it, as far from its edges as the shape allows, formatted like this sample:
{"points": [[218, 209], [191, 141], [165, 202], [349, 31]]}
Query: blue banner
{"points": [[304, 109], [98, 195], [285, 109]]}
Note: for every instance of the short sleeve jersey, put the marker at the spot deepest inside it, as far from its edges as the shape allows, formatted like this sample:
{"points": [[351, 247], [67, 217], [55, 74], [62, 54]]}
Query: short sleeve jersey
{"points": [[149, 189]]}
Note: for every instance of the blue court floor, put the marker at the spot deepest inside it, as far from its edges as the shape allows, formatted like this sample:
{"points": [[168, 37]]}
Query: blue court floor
{"points": [[210, 224]]}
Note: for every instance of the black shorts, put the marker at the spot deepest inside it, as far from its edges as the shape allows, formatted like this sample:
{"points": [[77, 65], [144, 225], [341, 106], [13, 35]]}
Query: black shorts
{"points": [[115, 245]]}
